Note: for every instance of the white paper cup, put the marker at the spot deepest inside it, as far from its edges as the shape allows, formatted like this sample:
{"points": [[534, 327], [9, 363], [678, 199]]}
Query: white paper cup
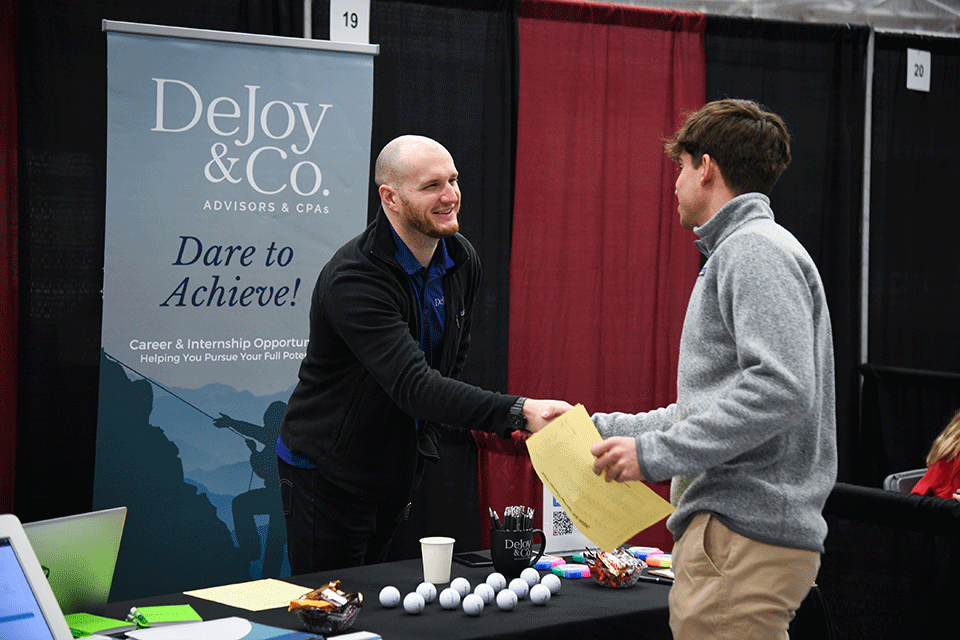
{"points": [[437, 555]]}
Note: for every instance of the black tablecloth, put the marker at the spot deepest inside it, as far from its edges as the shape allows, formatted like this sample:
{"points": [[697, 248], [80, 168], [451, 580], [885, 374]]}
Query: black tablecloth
{"points": [[581, 609]]}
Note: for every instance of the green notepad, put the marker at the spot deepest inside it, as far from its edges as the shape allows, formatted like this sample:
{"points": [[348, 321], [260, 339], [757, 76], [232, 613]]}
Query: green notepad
{"points": [[85, 624], [169, 613]]}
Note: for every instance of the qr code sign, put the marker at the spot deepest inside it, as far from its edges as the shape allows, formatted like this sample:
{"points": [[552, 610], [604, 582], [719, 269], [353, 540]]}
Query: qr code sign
{"points": [[561, 524]]}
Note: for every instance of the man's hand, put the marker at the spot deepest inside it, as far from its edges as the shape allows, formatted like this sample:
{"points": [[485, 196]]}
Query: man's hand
{"points": [[618, 457], [539, 412]]}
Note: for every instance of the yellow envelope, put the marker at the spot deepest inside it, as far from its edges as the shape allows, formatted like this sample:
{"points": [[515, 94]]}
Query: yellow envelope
{"points": [[607, 513]]}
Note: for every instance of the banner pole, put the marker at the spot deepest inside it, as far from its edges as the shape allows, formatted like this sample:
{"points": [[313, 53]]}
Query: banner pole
{"points": [[308, 19]]}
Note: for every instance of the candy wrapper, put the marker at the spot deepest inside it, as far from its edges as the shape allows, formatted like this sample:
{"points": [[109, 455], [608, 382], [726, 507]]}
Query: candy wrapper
{"points": [[618, 568], [327, 609]]}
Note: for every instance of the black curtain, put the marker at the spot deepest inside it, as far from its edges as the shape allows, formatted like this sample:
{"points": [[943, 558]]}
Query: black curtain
{"points": [[891, 568], [904, 410], [914, 276], [9, 298], [448, 70], [814, 76], [61, 110]]}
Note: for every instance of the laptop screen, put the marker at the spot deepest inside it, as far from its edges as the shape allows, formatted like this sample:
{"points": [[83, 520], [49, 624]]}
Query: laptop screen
{"points": [[20, 613], [80, 552]]}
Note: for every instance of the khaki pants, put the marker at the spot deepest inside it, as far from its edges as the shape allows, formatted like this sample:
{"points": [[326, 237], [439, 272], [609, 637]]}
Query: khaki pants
{"points": [[731, 587]]}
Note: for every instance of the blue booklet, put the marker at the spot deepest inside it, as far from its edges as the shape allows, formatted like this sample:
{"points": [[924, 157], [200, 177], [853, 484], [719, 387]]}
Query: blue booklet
{"points": [[263, 632]]}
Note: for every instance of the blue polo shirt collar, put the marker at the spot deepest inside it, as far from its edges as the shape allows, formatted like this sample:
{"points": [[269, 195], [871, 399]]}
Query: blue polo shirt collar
{"points": [[409, 262]]}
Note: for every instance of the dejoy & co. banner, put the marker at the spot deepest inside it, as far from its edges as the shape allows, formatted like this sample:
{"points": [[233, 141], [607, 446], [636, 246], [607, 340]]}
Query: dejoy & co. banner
{"points": [[236, 165]]}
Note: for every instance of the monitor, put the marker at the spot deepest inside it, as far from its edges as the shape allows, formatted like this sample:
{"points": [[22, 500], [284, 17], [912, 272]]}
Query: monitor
{"points": [[28, 608]]}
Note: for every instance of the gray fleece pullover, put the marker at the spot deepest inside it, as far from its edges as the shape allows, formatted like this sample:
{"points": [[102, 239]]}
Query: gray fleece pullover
{"points": [[752, 436]]}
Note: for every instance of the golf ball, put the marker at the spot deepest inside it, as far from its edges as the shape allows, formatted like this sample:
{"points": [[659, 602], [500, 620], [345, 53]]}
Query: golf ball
{"points": [[506, 600], [472, 604], [552, 582], [449, 598], [539, 594], [497, 581], [428, 591], [389, 597], [520, 587], [462, 585], [413, 603], [531, 576], [485, 592]]}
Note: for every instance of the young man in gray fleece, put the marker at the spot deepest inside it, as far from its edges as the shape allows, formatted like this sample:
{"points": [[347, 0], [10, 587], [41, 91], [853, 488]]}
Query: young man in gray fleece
{"points": [[751, 442]]}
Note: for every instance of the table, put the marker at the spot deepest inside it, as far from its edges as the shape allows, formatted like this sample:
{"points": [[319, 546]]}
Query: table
{"points": [[581, 609]]}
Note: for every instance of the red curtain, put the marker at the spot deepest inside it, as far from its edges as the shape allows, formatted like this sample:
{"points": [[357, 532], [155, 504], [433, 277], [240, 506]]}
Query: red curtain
{"points": [[8, 254], [600, 269]]}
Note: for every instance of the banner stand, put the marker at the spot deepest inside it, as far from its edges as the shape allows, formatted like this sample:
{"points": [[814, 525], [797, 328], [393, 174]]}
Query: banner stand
{"points": [[236, 165]]}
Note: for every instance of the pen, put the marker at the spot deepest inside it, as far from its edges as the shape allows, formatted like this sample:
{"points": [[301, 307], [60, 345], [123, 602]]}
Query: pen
{"points": [[645, 578], [515, 518]]}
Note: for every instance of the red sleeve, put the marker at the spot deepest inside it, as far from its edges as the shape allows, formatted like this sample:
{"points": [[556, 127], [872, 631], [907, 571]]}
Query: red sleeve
{"points": [[941, 480]]}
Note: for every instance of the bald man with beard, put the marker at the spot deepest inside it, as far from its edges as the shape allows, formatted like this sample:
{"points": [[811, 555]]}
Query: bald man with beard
{"points": [[390, 325]]}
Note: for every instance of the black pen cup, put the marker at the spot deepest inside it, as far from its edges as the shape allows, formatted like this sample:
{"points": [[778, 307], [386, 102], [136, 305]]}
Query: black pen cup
{"points": [[512, 550]]}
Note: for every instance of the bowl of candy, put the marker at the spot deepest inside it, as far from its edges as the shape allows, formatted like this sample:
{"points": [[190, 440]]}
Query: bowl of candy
{"points": [[618, 568], [327, 609]]}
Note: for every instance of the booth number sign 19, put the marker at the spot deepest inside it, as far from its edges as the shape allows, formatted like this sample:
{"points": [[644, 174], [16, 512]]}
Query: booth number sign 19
{"points": [[350, 21]]}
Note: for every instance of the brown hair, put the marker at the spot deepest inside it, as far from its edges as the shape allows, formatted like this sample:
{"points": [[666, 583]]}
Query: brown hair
{"points": [[751, 146], [947, 444]]}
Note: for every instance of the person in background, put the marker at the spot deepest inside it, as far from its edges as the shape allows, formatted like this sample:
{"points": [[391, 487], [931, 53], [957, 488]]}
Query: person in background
{"points": [[751, 441], [942, 478], [390, 325]]}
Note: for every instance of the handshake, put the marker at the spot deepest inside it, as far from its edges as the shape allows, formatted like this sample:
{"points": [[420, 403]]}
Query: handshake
{"points": [[615, 458], [539, 412]]}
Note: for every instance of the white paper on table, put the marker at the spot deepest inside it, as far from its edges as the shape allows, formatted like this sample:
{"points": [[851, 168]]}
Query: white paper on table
{"points": [[233, 628], [223, 629]]}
